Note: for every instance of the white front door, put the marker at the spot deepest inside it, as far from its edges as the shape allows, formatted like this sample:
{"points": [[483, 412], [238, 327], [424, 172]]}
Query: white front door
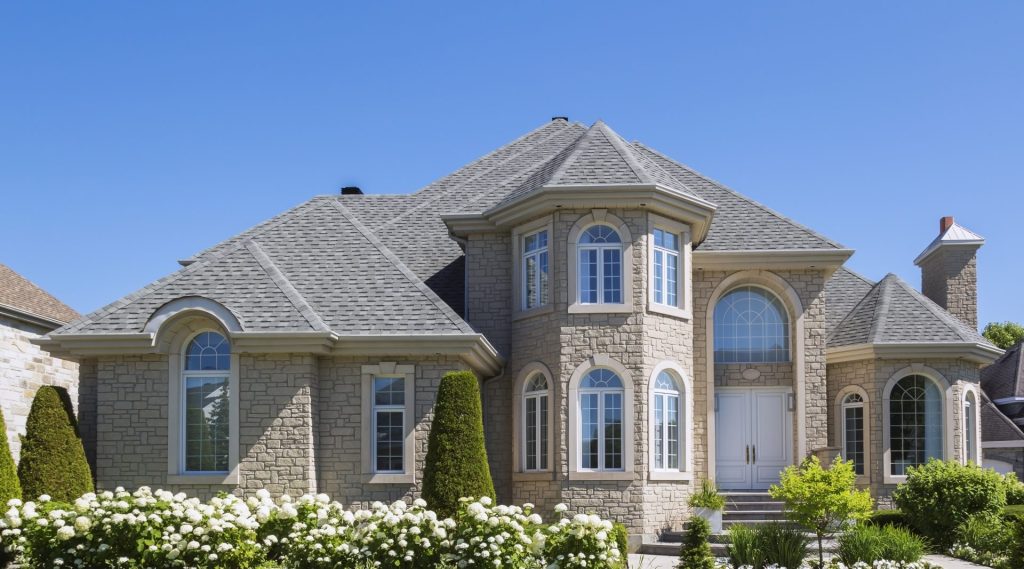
{"points": [[753, 437]]}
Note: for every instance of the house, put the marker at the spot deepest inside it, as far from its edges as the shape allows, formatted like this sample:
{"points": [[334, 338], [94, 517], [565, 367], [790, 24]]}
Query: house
{"points": [[637, 328], [28, 312], [1002, 413]]}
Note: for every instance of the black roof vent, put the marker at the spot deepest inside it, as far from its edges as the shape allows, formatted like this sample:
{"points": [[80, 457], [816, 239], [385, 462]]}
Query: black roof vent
{"points": [[566, 119], [351, 191]]}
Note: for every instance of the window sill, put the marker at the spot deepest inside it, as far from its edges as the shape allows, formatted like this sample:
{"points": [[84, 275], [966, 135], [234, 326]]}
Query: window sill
{"points": [[669, 475], [669, 311], [580, 308], [537, 311], [613, 475], [389, 479], [226, 479], [532, 476]]}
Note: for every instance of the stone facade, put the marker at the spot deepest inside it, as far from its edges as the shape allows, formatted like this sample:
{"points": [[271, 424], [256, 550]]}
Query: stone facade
{"points": [[949, 276], [24, 368]]}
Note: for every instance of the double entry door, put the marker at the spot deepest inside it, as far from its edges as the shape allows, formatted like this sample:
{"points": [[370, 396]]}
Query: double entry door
{"points": [[753, 436]]}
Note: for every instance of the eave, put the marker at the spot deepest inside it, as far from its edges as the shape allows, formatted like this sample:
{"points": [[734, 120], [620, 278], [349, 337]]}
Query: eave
{"points": [[30, 317], [829, 259], [974, 352]]}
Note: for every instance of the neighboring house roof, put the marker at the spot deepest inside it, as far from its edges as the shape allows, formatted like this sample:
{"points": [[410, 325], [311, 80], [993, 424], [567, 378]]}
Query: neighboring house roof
{"points": [[21, 295], [1005, 377], [893, 312], [995, 426], [843, 290], [955, 234]]}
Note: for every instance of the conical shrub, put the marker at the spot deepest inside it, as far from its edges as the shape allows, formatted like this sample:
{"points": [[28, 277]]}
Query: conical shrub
{"points": [[456, 457], [9, 485], [52, 456]]}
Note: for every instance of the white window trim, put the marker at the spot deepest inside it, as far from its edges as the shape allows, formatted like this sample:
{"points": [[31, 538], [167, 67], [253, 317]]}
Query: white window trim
{"points": [[575, 449], [787, 312], [685, 471], [684, 289], [375, 410], [949, 399], [518, 277], [370, 475], [600, 217], [176, 473], [519, 427], [971, 389], [841, 426]]}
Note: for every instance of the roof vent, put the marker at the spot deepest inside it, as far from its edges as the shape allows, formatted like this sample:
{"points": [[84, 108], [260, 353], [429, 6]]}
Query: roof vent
{"points": [[351, 191], [566, 119]]}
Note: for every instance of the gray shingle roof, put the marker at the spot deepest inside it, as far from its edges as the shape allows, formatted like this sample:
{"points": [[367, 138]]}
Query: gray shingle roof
{"points": [[996, 426], [892, 312], [843, 291], [1005, 377]]}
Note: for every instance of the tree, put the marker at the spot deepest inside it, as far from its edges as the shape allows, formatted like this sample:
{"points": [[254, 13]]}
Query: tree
{"points": [[822, 500], [1004, 335], [9, 485], [52, 456], [456, 464], [695, 552]]}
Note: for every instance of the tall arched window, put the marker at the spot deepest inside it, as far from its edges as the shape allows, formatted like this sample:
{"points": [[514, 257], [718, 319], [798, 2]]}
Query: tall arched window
{"points": [[535, 422], [751, 326], [601, 395], [915, 423], [667, 422], [970, 428], [206, 379], [600, 266], [853, 431]]}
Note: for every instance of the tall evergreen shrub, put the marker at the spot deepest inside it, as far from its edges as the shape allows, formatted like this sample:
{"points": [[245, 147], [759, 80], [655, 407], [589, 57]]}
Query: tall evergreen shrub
{"points": [[695, 552], [9, 485], [456, 464], [52, 456]]}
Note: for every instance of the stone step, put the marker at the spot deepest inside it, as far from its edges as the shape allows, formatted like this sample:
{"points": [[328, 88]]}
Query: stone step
{"points": [[748, 506], [726, 524], [753, 515], [746, 497]]}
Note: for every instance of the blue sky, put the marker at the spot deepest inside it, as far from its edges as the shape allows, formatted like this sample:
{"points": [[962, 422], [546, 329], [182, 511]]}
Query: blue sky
{"points": [[134, 134]]}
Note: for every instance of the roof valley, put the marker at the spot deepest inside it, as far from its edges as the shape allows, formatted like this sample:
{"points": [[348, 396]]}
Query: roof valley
{"points": [[286, 286]]}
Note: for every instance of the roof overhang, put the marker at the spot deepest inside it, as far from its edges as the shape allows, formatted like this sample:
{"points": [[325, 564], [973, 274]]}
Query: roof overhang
{"points": [[474, 349], [958, 244], [974, 352], [30, 317], [652, 197], [828, 259]]}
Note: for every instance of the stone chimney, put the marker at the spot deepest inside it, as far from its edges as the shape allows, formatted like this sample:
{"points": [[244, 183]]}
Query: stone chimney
{"points": [[949, 270]]}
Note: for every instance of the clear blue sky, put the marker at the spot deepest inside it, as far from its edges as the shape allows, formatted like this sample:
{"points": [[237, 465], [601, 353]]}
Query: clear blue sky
{"points": [[134, 134]]}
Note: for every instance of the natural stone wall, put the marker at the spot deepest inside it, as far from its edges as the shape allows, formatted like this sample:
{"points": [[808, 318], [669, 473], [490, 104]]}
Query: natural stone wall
{"points": [[24, 368], [949, 276]]}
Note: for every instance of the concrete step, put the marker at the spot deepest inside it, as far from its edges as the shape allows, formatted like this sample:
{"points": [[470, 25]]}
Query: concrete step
{"points": [[746, 496], [753, 515], [748, 506]]}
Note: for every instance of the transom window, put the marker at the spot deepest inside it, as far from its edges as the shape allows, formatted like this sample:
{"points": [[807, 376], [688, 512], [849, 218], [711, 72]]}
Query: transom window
{"points": [[666, 267], [535, 421], [853, 431], [389, 424], [600, 266], [970, 428], [751, 326], [601, 415], [915, 423], [536, 277], [207, 409], [667, 419]]}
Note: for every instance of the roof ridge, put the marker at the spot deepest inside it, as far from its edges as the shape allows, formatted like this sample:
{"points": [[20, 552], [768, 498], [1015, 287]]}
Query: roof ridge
{"points": [[619, 145], [262, 226], [881, 311], [394, 260], [866, 280], [286, 286], [986, 401], [941, 313], [743, 197], [850, 313]]}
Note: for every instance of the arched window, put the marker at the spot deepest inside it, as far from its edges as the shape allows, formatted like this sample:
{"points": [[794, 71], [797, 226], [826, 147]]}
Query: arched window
{"points": [[970, 428], [853, 431], [667, 422], [915, 423], [535, 422], [600, 266], [751, 326], [206, 380], [601, 395]]}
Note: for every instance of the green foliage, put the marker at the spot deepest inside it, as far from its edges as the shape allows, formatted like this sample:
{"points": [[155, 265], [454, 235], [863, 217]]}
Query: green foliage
{"points": [[456, 464], [985, 540], [10, 487], [744, 549], [888, 518], [1016, 551], [620, 535], [782, 545], [938, 497], [1013, 510], [695, 552], [901, 544], [708, 497], [1014, 489], [1003, 334], [870, 543], [822, 500], [52, 457]]}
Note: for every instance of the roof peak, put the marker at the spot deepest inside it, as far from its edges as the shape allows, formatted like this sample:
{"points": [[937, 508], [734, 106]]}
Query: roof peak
{"points": [[951, 234]]}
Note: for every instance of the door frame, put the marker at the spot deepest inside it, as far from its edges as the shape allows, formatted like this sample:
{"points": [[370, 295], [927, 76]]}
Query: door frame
{"points": [[788, 428]]}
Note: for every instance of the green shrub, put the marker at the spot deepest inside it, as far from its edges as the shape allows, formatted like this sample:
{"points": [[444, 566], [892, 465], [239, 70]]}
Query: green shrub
{"points": [[707, 497], [1016, 551], [743, 548], [1013, 511], [52, 457], [456, 464], [782, 545], [870, 543], [1014, 489], [986, 540], [621, 537], [695, 553], [888, 518], [901, 544], [941, 495], [10, 487]]}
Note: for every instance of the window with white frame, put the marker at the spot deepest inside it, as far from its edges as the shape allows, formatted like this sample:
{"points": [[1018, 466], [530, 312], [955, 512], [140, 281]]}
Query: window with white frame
{"points": [[970, 428], [666, 267], [206, 379], [667, 422], [601, 398], [915, 423], [600, 266], [853, 431], [751, 326], [389, 424], [535, 423], [536, 276]]}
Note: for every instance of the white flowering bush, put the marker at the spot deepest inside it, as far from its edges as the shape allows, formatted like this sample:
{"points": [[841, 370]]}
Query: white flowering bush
{"points": [[158, 529]]}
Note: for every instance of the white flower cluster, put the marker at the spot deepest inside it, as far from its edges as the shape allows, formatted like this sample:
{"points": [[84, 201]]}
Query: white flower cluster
{"points": [[158, 529]]}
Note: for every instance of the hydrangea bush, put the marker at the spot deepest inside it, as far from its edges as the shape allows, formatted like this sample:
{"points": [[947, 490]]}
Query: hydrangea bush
{"points": [[158, 529]]}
